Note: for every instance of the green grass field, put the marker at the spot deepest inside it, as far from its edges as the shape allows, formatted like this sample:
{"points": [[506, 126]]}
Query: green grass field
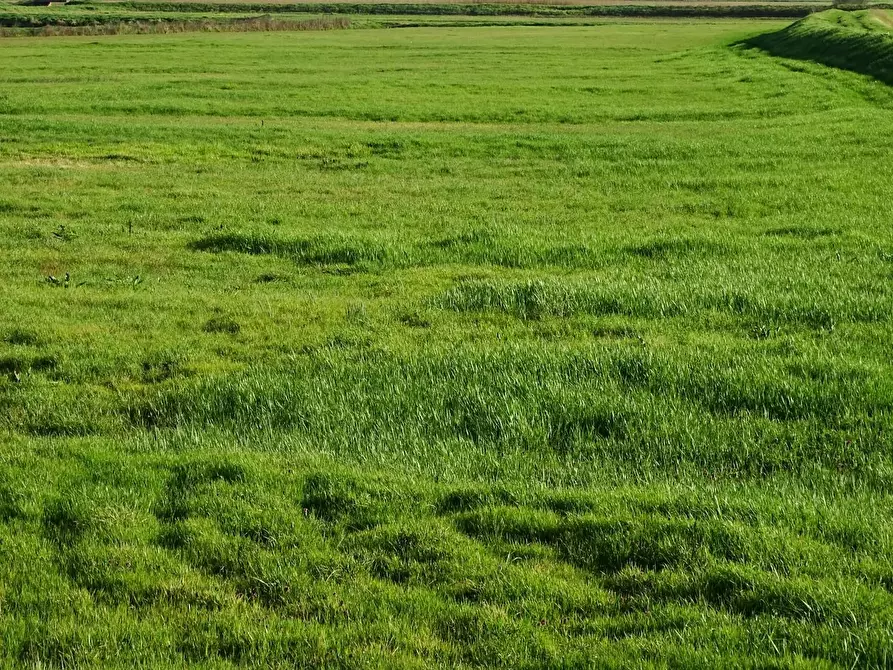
{"points": [[523, 347]]}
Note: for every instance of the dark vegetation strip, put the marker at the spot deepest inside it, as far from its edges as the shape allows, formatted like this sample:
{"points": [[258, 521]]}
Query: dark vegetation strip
{"points": [[845, 40], [779, 10], [50, 26]]}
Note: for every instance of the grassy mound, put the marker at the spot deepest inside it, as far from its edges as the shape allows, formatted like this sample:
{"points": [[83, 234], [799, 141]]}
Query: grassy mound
{"points": [[860, 41]]}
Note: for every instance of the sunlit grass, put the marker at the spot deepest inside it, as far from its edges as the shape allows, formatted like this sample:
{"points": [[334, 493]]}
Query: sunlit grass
{"points": [[470, 347]]}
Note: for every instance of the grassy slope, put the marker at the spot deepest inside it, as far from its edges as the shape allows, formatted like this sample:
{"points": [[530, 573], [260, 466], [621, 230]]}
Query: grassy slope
{"points": [[443, 347], [861, 41]]}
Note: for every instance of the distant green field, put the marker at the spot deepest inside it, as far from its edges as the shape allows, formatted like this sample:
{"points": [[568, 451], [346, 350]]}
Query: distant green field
{"points": [[113, 18], [466, 347]]}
